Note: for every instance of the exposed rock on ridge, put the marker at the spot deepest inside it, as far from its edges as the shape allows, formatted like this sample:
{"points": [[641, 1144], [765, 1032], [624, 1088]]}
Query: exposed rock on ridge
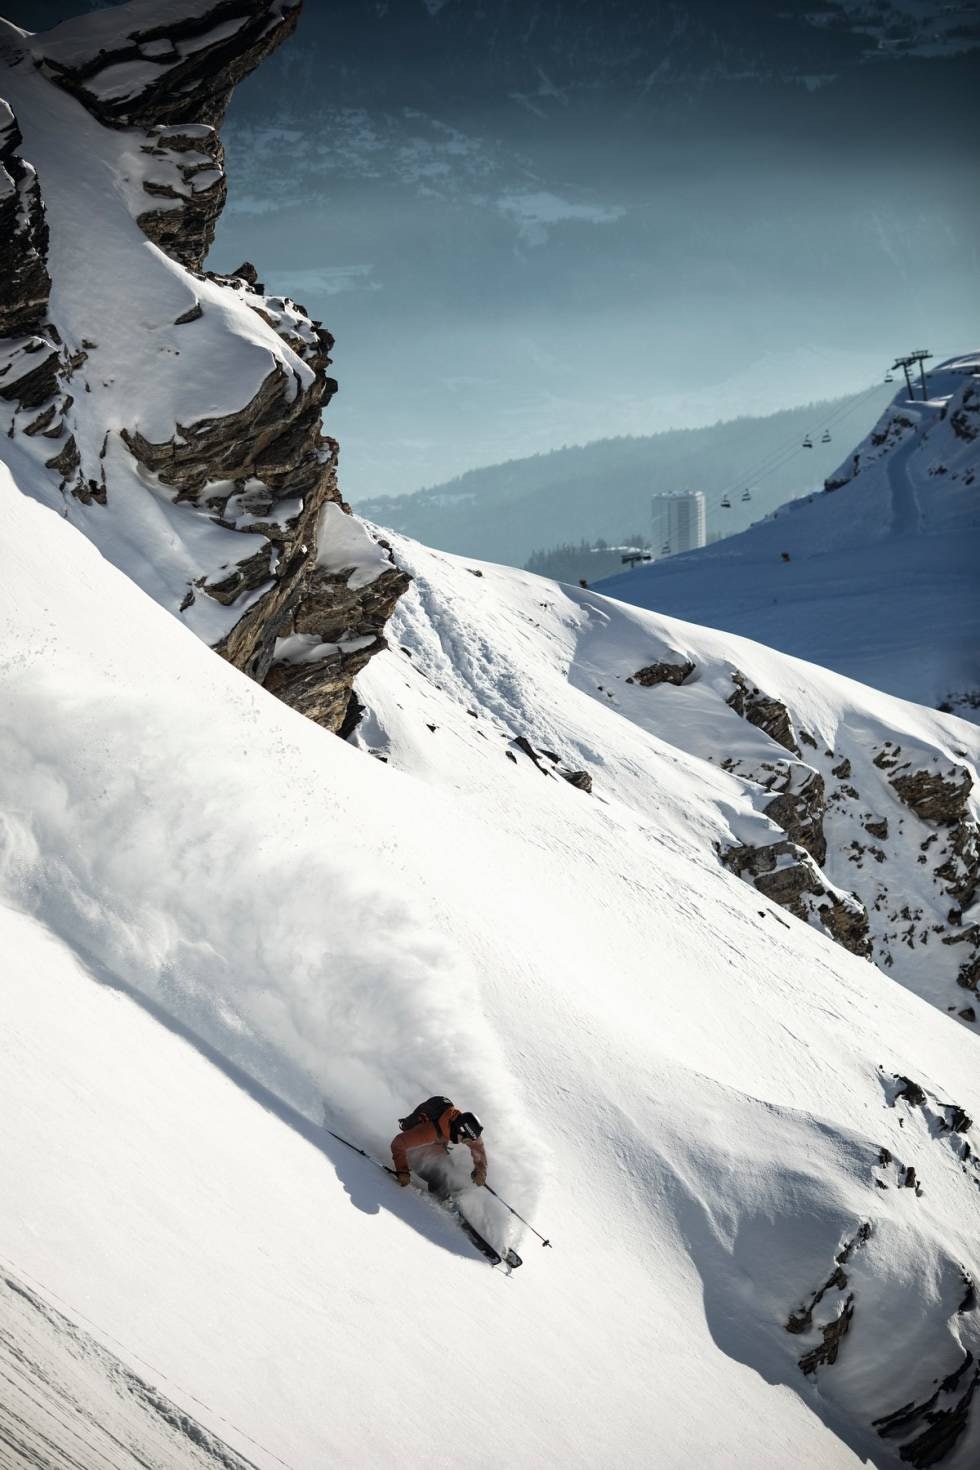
{"points": [[876, 841], [264, 473], [131, 69], [24, 281]]}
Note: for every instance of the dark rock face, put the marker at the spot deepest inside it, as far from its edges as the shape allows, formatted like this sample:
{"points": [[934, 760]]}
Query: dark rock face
{"points": [[832, 1332], [943, 1426], [833, 1335], [787, 875], [348, 625], [188, 67], [191, 173], [933, 797], [663, 673], [800, 812], [32, 359], [943, 800], [181, 76], [761, 710], [24, 281]]}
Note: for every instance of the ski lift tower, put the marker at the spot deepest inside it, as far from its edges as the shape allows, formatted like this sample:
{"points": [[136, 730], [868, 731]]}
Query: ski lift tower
{"points": [[903, 363], [921, 356]]}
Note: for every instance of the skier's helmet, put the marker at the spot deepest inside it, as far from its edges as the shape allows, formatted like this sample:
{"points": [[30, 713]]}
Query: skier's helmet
{"points": [[467, 1125]]}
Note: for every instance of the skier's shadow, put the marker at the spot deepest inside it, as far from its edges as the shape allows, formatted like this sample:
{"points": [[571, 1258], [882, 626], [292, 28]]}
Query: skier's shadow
{"points": [[368, 1187], [371, 1191]]}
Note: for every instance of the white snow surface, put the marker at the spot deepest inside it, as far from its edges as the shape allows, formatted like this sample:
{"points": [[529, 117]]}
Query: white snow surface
{"points": [[882, 579], [215, 916]]}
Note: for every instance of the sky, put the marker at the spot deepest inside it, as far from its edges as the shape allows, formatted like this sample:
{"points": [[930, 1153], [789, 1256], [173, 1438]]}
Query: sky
{"points": [[532, 224]]}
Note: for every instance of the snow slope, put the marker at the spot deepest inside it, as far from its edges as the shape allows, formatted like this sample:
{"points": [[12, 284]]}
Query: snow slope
{"points": [[882, 581], [216, 915], [502, 650]]}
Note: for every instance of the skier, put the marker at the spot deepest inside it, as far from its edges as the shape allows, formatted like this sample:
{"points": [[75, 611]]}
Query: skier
{"points": [[430, 1137]]}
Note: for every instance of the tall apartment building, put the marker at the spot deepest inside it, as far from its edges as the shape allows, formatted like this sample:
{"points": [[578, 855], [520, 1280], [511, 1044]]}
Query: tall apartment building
{"points": [[680, 522]]}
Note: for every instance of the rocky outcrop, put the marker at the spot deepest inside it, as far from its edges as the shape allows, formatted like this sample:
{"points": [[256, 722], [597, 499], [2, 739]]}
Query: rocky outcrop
{"points": [[943, 800], [186, 173], [788, 876], [939, 1428], [662, 672], [308, 620], [35, 367], [762, 710], [174, 77], [833, 1332], [24, 281], [935, 797], [915, 810], [799, 808], [145, 64]]}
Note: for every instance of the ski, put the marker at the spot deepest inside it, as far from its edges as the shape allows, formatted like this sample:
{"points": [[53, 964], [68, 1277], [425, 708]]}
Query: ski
{"points": [[509, 1258]]}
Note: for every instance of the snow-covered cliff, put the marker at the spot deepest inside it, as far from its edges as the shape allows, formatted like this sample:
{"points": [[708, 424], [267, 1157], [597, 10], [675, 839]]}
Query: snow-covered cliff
{"points": [[174, 414]]}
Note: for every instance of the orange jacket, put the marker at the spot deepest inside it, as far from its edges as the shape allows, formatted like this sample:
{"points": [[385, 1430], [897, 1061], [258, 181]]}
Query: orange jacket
{"points": [[431, 1139]]}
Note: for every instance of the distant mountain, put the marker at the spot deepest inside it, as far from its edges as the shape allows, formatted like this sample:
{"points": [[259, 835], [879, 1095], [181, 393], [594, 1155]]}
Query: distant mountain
{"points": [[877, 579], [506, 512]]}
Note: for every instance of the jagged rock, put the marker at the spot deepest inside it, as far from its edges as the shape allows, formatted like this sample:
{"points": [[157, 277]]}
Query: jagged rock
{"points": [[958, 1119], [799, 808], [848, 924], [967, 1014], [180, 74], [833, 1336], [969, 975], [339, 628], [933, 797], [801, 1321], [322, 690], [581, 780], [766, 713], [181, 70], [877, 829], [24, 281], [29, 369], [945, 1425], [187, 170], [787, 875], [273, 438], [911, 1092], [663, 673], [524, 745], [961, 869]]}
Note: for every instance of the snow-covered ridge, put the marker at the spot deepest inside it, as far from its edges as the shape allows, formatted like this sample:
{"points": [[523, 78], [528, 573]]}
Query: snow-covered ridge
{"points": [[855, 810], [173, 414]]}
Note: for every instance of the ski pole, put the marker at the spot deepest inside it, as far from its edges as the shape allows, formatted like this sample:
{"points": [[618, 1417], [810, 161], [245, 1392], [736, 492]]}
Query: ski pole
{"points": [[519, 1217], [363, 1152]]}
